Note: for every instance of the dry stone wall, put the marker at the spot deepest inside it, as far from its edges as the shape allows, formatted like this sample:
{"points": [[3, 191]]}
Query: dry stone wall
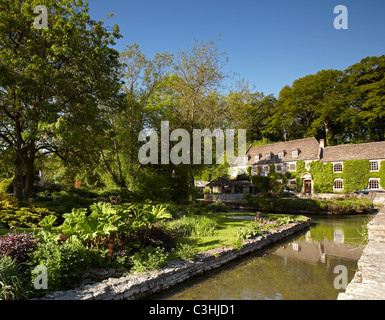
{"points": [[140, 285], [369, 280]]}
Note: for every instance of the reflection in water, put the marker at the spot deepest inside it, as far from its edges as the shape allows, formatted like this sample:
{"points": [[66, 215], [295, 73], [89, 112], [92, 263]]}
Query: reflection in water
{"points": [[300, 268]]}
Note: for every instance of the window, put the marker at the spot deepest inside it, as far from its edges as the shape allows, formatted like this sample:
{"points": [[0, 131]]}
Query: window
{"points": [[278, 168], [268, 156], [266, 168], [294, 153], [338, 184], [256, 158], [373, 165], [292, 167], [254, 170], [280, 155], [337, 167], [374, 184]]}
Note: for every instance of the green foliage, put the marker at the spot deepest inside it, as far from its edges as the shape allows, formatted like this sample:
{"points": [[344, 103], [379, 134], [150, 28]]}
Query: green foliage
{"points": [[5, 185], [12, 214], [195, 226], [338, 206], [184, 251], [356, 175], [13, 283], [149, 258], [323, 177], [65, 262], [217, 207], [103, 221], [382, 174], [261, 183]]}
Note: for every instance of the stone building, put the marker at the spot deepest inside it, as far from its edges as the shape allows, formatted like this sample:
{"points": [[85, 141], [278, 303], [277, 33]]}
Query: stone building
{"points": [[283, 157]]}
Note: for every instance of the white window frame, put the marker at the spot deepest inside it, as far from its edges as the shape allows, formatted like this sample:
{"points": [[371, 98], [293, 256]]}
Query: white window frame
{"points": [[338, 189], [280, 155], [342, 167], [256, 158], [254, 169], [294, 153], [374, 179], [295, 166], [378, 165], [268, 156], [276, 165], [264, 167]]}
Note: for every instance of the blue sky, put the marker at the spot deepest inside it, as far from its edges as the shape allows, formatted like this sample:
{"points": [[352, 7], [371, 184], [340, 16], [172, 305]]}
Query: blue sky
{"points": [[270, 43]]}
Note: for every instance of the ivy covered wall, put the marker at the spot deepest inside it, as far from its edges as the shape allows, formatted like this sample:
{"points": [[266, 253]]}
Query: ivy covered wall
{"points": [[355, 175]]}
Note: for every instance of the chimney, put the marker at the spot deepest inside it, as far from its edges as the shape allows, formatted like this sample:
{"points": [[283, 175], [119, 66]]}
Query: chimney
{"points": [[321, 148]]}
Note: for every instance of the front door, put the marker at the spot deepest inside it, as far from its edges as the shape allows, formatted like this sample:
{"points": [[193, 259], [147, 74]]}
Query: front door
{"points": [[307, 186]]}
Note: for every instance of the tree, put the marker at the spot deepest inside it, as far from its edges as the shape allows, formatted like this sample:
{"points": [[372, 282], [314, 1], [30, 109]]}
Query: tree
{"points": [[54, 82], [364, 93], [310, 107], [119, 145], [189, 98]]}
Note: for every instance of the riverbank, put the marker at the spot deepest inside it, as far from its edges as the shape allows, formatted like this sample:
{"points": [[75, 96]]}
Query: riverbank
{"points": [[369, 280], [135, 286]]}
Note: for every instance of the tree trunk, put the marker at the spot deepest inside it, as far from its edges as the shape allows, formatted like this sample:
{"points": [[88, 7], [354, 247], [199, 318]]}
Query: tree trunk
{"points": [[18, 184], [30, 177]]}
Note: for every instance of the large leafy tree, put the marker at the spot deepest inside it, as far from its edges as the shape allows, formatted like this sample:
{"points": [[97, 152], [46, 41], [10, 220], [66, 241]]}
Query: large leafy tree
{"points": [[53, 81], [364, 94], [310, 106]]}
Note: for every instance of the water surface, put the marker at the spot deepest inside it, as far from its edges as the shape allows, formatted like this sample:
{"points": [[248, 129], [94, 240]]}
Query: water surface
{"points": [[299, 268]]}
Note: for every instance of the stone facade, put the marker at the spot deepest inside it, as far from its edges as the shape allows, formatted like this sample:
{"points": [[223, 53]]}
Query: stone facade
{"points": [[224, 197], [135, 286]]}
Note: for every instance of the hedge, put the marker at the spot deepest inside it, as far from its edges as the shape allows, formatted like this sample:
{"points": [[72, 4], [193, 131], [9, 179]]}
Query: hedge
{"points": [[337, 206]]}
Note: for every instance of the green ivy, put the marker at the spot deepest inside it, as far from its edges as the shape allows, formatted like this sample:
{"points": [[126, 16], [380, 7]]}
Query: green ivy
{"points": [[355, 174], [382, 174], [323, 177]]}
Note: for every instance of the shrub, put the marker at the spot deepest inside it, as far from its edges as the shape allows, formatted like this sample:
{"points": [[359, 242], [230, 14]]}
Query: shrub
{"points": [[13, 284], [18, 245], [149, 258], [13, 215], [217, 207], [196, 226], [184, 251], [6, 185], [65, 262]]}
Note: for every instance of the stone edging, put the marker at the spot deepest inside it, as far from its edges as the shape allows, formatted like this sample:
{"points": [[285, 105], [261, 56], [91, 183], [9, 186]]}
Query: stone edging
{"points": [[140, 285], [368, 282]]}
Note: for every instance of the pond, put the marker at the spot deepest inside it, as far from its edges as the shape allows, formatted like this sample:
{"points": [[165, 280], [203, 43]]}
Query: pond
{"points": [[300, 268]]}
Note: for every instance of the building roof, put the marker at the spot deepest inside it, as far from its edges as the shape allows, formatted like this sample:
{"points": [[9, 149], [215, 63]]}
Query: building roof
{"points": [[369, 150], [308, 149]]}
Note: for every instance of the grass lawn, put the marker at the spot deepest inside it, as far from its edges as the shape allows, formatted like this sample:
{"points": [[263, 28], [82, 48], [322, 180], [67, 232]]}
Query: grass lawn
{"points": [[226, 233]]}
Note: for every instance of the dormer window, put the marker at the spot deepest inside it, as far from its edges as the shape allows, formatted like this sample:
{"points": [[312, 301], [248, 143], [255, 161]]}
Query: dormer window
{"points": [[294, 153], [256, 158], [280, 155], [268, 156]]}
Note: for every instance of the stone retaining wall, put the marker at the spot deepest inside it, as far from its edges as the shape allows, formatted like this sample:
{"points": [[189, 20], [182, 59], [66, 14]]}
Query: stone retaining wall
{"points": [[369, 281], [140, 285], [376, 198], [223, 197]]}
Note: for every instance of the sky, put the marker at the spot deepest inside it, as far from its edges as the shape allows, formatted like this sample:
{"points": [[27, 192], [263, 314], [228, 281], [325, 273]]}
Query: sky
{"points": [[269, 43]]}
